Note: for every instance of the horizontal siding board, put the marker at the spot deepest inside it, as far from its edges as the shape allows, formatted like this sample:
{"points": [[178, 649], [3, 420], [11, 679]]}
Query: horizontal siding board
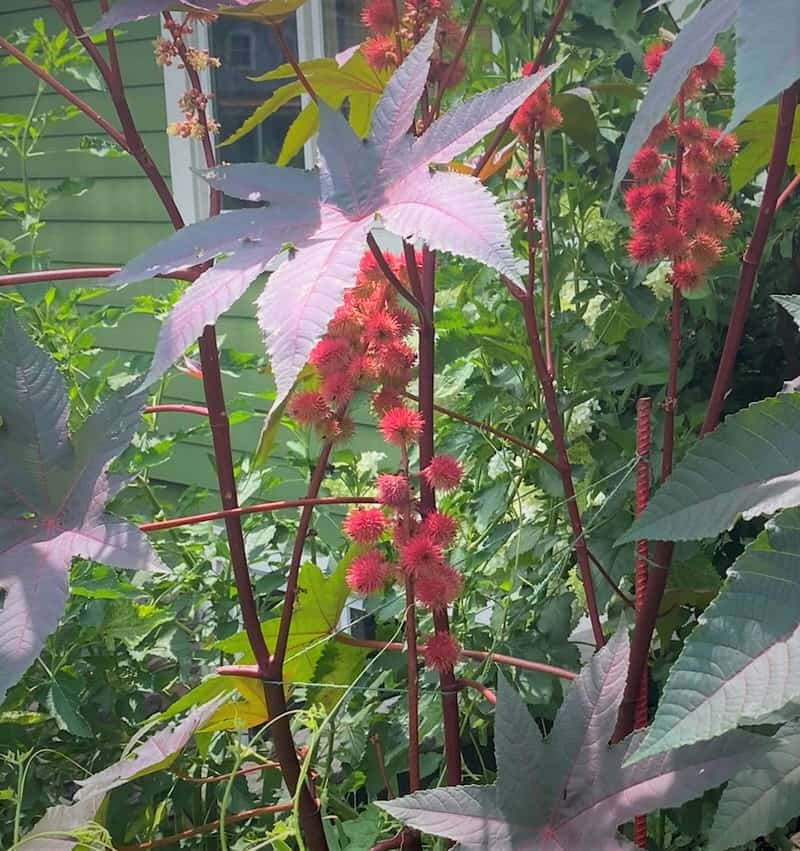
{"points": [[19, 15], [17, 79], [101, 203], [147, 105]]}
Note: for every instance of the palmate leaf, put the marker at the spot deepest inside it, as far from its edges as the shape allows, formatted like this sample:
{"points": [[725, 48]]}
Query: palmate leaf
{"points": [[53, 490], [384, 180], [60, 827], [749, 466], [755, 136], [571, 790], [690, 48], [354, 81], [319, 606], [762, 74], [742, 661], [764, 796], [127, 11]]}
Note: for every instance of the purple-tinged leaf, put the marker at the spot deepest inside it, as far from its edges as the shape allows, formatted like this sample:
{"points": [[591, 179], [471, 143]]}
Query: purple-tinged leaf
{"points": [[263, 182], [202, 241], [394, 115], [466, 124], [128, 11], [762, 74], [300, 298], [155, 753], [210, 296], [53, 490], [347, 165], [451, 212], [61, 828], [357, 190], [690, 48], [592, 791]]}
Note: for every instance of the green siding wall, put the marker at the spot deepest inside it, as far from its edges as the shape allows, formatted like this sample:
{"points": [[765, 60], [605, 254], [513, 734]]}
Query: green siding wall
{"points": [[119, 217]]}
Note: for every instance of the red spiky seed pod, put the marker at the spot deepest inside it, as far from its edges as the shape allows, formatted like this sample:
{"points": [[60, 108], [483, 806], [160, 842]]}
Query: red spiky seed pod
{"points": [[443, 473], [441, 652], [401, 426], [368, 573], [365, 525]]}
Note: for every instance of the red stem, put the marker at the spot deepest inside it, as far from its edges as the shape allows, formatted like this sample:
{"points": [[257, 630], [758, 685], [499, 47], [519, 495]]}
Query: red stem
{"points": [[397, 36], [76, 274], [218, 778], [116, 90], [480, 655], [427, 345], [376, 744], [640, 570], [752, 256], [260, 508], [176, 409], [483, 690], [544, 202], [390, 276], [290, 58], [445, 84], [559, 441], [614, 587], [541, 54], [62, 90], [215, 196], [784, 196], [484, 427], [176, 838]]}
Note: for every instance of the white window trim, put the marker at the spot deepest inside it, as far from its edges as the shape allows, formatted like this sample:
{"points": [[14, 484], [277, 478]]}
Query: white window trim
{"points": [[191, 194]]}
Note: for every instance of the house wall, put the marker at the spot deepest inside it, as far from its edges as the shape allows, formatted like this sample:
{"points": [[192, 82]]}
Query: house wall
{"points": [[118, 217]]}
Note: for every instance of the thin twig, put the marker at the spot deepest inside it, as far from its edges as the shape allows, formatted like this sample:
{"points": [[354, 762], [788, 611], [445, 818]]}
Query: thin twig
{"points": [[480, 655], [260, 508], [390, 276], [784, 196], [218, 778], [752, 256], [482, 690], [210, 826], [62, 90], [290, 58], [376, 744], [484, 427], [176, 409], [608, 578], [445, 84], [544, 215]]}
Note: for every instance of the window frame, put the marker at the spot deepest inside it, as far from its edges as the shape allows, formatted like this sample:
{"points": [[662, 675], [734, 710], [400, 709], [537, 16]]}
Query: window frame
{"points": [[187, 154]]}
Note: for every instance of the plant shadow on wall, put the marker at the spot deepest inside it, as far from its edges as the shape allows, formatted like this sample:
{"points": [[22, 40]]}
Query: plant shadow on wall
{"points": [[538, 353]]}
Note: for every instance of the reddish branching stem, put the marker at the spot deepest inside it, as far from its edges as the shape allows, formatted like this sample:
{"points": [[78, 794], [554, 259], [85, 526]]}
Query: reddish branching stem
{"points": [[487, 429], [482, 690], [445, 84], [541, 55], [560, 444], [210, 826], [62, 90], [544, 214], [375, 739], [479, 655], [390, 276], [219, 778], [784, 196], [277, 29], [752, 256], [260, 508], [640, 570], [427, 345]]}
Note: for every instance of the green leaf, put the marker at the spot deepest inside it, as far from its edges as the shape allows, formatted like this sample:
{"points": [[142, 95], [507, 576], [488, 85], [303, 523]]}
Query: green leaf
{"points": [[743, 659], [748, 466], [764, 796], [615, 323], [755, 136], [64, 700], [579, 122], [791, 304], [261, 113], [762, 73]]}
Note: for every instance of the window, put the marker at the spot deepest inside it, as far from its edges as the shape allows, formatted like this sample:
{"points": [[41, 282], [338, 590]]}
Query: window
{"points": [[248, 49]]}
